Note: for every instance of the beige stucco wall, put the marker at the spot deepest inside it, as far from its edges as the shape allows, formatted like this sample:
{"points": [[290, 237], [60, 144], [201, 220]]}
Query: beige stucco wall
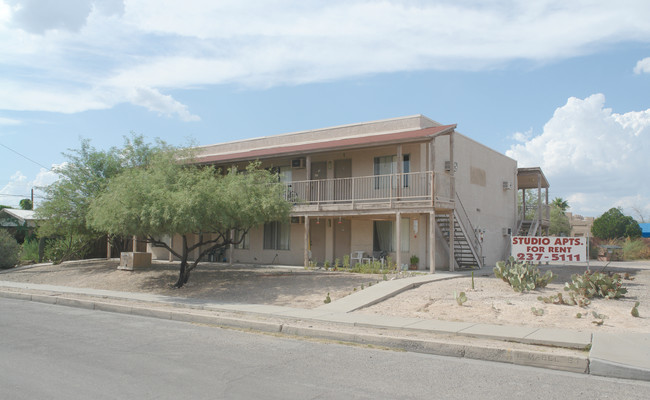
{"points": [[488, 205]]}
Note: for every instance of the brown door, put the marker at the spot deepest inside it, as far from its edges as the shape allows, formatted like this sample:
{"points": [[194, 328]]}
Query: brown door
{"points": [[342, 238], [318, 189], [317, 239], [342, 186]]}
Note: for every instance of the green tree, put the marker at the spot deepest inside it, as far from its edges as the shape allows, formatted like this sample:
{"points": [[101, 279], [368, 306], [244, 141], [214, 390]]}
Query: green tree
{"points": [[613, 224], [560, 224], [197, 203], [26, 204], [531, 202], [560, 203], [85, 174]]}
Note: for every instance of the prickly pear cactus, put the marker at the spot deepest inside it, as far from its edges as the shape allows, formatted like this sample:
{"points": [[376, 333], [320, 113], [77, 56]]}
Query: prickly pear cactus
{"points": [[522, 276]]}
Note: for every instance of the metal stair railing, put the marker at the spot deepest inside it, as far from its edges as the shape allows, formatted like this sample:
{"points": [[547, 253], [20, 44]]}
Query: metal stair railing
{"points": [[469, 232]]}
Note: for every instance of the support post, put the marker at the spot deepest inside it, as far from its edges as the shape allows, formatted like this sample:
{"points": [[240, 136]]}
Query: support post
{"points": [[538, 232], [432, 241], [452, 231], [400, 171], [306, 242], [308, 177], [452, 169], [398, 241], [431, 167]]}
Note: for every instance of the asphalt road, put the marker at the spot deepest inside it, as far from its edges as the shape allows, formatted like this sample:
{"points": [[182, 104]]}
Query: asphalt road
{"points": [[56, 352]]}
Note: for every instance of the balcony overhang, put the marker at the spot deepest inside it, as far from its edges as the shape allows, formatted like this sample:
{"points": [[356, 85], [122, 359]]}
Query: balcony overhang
{"points": [[329, 145], [531, 178]]}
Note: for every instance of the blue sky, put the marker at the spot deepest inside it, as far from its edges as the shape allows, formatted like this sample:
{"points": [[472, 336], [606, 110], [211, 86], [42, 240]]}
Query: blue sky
{"points": [[564, 85]]}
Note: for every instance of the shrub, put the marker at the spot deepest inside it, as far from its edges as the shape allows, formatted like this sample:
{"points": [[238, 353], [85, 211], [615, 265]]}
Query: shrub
{"points": [[635, 250], [65, 249], [9, 250], [522, 276], [596, 284], [373, 267], [29, 250]]}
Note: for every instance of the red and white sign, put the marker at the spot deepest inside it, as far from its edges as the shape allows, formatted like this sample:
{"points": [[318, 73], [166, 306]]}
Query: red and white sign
{"points": [[549, 248]]}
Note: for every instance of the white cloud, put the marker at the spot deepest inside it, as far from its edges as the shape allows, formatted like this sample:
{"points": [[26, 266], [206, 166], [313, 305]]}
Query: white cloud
{"points": [[12, 192], [99, 53], [593, 157], [9, 121], [522, 137], [153, 100], [20, 186], [37, 16], [642, 66]]}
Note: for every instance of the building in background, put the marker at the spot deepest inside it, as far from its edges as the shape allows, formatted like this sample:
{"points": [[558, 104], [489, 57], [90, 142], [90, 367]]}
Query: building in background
{"points": [[580, 226]]}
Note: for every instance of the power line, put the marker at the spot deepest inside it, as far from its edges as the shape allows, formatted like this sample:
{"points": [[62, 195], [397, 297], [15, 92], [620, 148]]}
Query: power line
{"points": [[25, 157], [26, 196]]}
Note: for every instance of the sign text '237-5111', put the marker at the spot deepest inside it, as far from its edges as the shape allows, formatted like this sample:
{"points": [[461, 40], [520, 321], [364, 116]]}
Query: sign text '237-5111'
{"points": [[549, 248]]}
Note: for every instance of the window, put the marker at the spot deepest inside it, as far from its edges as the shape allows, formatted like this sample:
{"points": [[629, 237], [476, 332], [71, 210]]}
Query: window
{"points": [[384, 236], [284, 173], [387, 165], [245, 243], [276, 235]]}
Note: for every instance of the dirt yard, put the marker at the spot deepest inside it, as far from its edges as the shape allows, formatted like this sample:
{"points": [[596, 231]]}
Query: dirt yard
{"points": [[291, 287], [491, 300]]}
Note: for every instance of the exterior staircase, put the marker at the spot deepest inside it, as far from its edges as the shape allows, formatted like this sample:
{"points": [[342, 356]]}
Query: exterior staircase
{"points": [[467, 247], [528, 227]]}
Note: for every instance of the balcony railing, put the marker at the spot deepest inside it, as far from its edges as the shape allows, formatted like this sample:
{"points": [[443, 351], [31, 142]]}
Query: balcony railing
{"points": [[407, 187]]}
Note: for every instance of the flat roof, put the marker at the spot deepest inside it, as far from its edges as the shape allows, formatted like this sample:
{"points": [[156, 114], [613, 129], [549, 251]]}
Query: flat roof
{"points": [[527, 178], [378, 139]]}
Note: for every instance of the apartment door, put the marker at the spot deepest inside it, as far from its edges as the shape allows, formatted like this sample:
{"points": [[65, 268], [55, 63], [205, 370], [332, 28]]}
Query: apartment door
{"points": [[318, 189], [342, 238], [342, 186], [317, 240]]}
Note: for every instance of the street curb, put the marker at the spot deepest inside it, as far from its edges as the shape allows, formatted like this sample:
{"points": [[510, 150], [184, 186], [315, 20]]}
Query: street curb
{"points": [[615, 370], [609, 350], [542, 358]]}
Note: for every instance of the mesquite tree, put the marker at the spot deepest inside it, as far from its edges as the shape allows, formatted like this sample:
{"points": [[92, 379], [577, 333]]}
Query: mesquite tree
{"points": [[82, 177], [197, 203]]}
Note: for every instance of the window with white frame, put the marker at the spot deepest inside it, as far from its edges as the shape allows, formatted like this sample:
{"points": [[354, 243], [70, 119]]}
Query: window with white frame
{"points": [[384, 235], [387, 165], [276, 235]]}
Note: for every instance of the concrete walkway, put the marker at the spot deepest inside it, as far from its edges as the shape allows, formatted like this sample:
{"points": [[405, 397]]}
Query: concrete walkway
{"points": [[615, 355]]}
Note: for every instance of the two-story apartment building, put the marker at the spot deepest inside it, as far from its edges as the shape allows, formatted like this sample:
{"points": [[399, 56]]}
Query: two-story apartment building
{"points": [[391, 187]]}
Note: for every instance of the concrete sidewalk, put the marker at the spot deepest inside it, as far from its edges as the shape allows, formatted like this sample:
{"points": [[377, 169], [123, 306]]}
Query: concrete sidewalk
{"points": [[613, 355]]}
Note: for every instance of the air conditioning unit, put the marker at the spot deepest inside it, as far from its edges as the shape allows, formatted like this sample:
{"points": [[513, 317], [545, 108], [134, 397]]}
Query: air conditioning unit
{"points": [[298, 162], [507, 185], [448, 166], [506, 231]]}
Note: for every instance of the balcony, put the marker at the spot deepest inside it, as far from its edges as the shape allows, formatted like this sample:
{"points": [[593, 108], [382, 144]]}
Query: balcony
{"points": [[408, 190]]}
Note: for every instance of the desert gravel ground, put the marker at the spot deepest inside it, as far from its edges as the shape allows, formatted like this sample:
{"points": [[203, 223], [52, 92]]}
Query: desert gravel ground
{"points": [[491, 300], [283, 286]]}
